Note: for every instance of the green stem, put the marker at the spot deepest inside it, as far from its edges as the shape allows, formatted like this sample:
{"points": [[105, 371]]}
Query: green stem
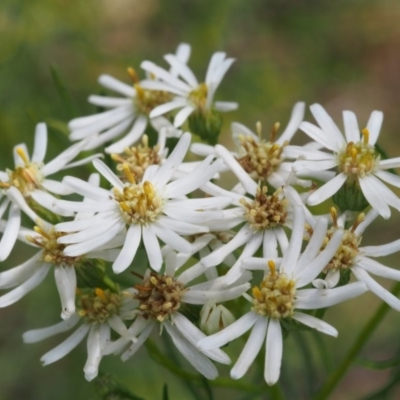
{"points": [[276, 392], [362, 338]]}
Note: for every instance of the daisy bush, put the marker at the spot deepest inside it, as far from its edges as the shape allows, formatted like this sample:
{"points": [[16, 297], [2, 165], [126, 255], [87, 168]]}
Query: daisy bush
{"points": [[208, 255]]}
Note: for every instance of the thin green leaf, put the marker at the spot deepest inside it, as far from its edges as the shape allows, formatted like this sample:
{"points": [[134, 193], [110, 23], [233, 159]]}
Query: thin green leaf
{"points": [[63, 92]]}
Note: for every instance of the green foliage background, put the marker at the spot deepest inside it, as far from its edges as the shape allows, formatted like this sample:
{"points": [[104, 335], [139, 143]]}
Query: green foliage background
{"points": [[343, 54]]}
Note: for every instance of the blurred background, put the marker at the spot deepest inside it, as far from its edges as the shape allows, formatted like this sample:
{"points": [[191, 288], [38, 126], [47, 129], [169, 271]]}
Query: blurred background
{"points": [[343, 54]]}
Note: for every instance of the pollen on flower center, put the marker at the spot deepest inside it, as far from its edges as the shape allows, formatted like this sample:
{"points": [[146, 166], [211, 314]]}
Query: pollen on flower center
{"points": [[26, 178], [198, 96], [275, 296], [159, 296], [358, 159], [53, 252], [139, 203], [265, 211], [348, 249], [137, 158], [98, 305], [260, 158]]}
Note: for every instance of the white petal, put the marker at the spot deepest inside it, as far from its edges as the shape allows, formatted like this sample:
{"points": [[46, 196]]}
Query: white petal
{"points": [[315, 323], [110, 82], [327, 190], [374, 126], [172, 239], [94, 353], [86, 189], [108, 174], [180, 68], [378, 269], [251, 349], [373, 196], [65, 278], [141, 339], [225, 106], [389, 178], [273, 352], [37, 335], [51, 203], [128, 252], [382, 250], [66, 346], [40, 146], [152, 247], [10, 232], [182, 116], [295, 119], [106, 101], [351, 128], [167, 107], [56, 187]]}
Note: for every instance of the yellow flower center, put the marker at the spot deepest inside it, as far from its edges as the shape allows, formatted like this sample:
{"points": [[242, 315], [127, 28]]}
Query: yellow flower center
{"points": [[358, 159], [275, 296], [198, 96], [137, 158], [26, 178], [159, 296], [138, 203], [265, 211], [53, 252], [98, 305]]}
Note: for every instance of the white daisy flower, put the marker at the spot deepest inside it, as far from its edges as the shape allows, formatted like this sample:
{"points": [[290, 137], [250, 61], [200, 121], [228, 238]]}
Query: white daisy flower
{"points": [[124, 114], [264, 216], [160, 300], [28, 275], [279, 296], [101, 310], [355, 158], [190, 96], [29, 180], [151, 209], [350, 256], [266, 161]]}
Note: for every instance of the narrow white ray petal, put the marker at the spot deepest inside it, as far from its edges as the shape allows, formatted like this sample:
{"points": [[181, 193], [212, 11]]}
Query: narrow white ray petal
{"points": [[58, 163], [389, 178], [77, 124], [10, 234], [319, 136], [217, 256], [182, 69], [273, 352], [216, 191], [181, 227], [376, 268], [108, 174], [205, 203], [16, 197], [18, 161], [390, 163], [128, 252], [192, 273], [86, 189], [351, 129], [289, 260], [296, 118], [40, 145], [327, 190], [56, 187], [314, 245], [182, 52], [83, 161], [106, 101], [167, 107], [65, 278], [215, 61], [172, 163], [374, 126], [172, 239], [17, 275], [152, 246], [152, 84], [94, 352], [312, 299], [315, 323], [183, 115], [318, 165], [216, 78], [82, 224], [51, 203], [110, 82], [302, 151], [14, 295], [189, 183], [251, 349], [231, 332], [36, 335], [382, 250], [256, 263], [141, 339], [6, 202], [312, 270], [66, 346], [225, 106], [376, 288], [270, 244], [369, 218], [201, 297], [247, 182], [193, 335], [131, 137], [373, 196], [197, 359], [390, 198], [165, 76], [85, 247]]}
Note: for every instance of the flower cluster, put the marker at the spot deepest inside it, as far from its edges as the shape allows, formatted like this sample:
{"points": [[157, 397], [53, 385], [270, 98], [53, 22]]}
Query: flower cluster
{"points": [[165, 218]]}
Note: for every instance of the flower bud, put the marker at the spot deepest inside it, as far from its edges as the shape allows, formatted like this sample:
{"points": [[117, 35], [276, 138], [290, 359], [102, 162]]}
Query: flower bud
{"points": [[207, 124], [214, 317], [350, 197]]}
